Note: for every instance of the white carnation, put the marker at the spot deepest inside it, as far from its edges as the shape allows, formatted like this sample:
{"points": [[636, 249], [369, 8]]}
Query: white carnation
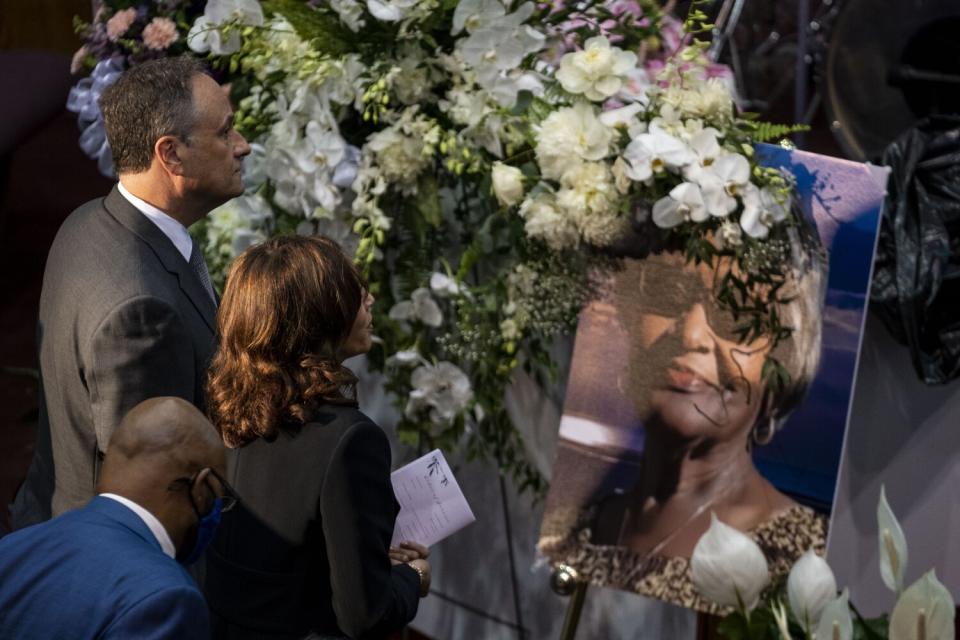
{"points": [[544, 221], [569, 136]]}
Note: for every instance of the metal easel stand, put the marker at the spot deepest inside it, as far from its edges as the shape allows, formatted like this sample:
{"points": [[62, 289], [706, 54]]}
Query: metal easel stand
{"points": [[566, 582]]}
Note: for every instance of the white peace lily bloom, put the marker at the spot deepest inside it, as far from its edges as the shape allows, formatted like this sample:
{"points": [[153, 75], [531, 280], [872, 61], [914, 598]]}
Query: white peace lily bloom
{"points": [[570, 135], [893, 545], [761, 211], [442, 388], [205, 33], [544, 221], [835, 620], [420, 307], [810, 586], [728, 567], [655, 152], [507, 184], [598, 71], [683, 204], [443, 285], [925, 611], [390, 10]]}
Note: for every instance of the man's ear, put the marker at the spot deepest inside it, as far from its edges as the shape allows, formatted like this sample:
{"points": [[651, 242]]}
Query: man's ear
{"points": [[167, 151]]}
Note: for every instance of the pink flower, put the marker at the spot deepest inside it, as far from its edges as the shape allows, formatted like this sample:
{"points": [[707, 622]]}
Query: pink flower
{"points": [[119, 23], [76, 64], [160, 34]]}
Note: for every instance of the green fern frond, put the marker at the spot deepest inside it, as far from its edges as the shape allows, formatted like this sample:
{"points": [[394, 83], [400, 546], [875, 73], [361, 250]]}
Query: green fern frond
{"points": [[766, 131]]}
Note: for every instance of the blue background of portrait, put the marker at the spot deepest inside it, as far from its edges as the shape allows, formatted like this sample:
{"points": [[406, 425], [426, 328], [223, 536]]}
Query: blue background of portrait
{"points": [[843, 199]]}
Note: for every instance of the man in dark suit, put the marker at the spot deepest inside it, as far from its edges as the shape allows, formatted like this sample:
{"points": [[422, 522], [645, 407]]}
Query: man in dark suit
{"points": [[107, 570], [127, 311]]}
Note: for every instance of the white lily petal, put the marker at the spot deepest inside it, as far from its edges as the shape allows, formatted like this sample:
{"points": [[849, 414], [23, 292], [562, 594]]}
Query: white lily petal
{"points": [[810, 586], [728, 567], [925, 607], [893, 546], [835, 622]]}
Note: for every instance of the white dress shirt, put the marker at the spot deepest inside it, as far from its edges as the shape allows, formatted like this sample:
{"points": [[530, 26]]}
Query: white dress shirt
{"points": [[156, 528], [177, 233]]}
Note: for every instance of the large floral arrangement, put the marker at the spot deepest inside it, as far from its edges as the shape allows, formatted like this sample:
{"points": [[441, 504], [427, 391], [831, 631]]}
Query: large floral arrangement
{"points": [[479, 157], [729, 568]]}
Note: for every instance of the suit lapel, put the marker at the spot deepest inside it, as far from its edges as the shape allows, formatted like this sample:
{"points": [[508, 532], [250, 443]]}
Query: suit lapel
{"points": [[172, 260]]}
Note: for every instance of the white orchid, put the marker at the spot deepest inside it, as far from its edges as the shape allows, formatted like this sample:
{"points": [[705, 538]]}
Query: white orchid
{"points": [[706, 149], [623, 117], [655, 152], [598, 71], [728, 567], [420, 307], [405, 358], [835, 620], [206, 33], [390, 10], [721, 181], [683, 204], [499, 44], [761, 211], [507, 184], [476, 14], [925, 611], [810, 586], [443, 285], [443, 389], [350, 12]]}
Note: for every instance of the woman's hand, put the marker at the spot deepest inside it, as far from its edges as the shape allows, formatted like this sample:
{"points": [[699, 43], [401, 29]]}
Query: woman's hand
{"points": [[408, 551], [422, 567]]}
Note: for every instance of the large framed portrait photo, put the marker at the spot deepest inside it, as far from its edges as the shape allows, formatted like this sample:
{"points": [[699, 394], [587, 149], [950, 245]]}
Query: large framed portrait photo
{"points": [[667, 420]]}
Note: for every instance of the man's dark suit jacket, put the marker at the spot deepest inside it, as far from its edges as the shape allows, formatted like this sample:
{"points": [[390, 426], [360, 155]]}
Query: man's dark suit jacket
{"points": [[123, 318], [96, 572], [306, 550]]}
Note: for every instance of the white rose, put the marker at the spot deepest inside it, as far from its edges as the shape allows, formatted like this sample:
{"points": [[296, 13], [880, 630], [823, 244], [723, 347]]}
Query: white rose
{"points": [[507, 184], [598, 72]]}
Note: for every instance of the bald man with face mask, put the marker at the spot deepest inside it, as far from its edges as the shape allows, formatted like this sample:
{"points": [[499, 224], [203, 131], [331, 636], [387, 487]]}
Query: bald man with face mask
{"points": [[114, 568]]}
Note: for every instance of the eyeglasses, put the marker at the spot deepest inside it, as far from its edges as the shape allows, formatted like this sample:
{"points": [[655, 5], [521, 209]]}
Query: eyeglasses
{"points": [[228, 497], [678, 292]]}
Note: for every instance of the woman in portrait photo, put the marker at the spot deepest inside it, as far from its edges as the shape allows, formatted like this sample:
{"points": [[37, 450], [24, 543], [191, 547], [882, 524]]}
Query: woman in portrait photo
{"points": [[702, 405]]}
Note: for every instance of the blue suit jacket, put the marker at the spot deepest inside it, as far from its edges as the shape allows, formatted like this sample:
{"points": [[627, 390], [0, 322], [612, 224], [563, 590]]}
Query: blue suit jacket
{"points": [[96, 572]]}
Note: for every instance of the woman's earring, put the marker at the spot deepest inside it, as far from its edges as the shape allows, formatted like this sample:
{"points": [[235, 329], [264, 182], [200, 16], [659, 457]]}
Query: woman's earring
{"points": [[764, 431]]}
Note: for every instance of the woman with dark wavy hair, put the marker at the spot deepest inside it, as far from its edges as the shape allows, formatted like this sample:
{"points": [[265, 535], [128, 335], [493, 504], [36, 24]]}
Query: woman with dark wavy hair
{"points": [[306, 553]]}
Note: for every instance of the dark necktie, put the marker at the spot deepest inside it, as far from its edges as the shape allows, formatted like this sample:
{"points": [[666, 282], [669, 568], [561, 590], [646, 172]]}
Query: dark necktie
{"points": [[199, 267]]}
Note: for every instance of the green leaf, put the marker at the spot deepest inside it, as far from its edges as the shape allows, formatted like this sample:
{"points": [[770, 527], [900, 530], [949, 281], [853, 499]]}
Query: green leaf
{"points": [[427, 200]]}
